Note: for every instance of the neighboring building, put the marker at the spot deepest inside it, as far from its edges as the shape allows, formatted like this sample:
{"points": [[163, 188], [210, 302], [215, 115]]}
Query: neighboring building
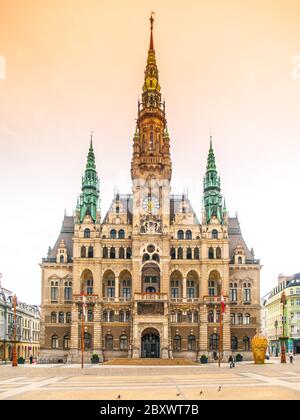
{"points": [[264, 316], [152, 272], [289, 324], [28, 327]]}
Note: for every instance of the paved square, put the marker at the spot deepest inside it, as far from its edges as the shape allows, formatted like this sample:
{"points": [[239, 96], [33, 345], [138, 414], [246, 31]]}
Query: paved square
{"points": [[105, 382]]}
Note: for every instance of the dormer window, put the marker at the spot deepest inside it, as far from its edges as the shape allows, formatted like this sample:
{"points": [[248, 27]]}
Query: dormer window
{"points": [[87, 233], [214, 234]]}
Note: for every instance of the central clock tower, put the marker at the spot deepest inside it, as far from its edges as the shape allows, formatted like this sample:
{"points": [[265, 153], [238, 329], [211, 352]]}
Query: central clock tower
{"points": [[151, 166]]}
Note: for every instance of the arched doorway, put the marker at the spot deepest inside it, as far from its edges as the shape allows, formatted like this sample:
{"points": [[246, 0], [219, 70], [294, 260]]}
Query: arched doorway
{"points": [[150, 344]]}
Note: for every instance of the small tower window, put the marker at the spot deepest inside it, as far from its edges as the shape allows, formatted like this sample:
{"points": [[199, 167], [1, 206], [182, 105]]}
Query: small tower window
{"points": [[214, 234], [87, 233]]}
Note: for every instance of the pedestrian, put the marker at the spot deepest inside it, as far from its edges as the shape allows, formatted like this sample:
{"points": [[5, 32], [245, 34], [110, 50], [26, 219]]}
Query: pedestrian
{"points": [[31, 359], [291, 357], [231, 361]]}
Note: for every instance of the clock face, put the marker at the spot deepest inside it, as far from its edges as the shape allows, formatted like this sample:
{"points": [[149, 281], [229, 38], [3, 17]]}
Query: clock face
{"points": [[151, 205]]}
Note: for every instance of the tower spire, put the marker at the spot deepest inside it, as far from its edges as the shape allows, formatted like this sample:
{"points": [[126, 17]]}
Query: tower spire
{"points": [[89, 200], [213, 201]]}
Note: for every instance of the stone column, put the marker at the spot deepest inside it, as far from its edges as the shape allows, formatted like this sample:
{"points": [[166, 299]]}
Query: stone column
{"points": [[117, 286], [203, 347], [184, 287], [226, 333], [98, 342], [74, 334]]}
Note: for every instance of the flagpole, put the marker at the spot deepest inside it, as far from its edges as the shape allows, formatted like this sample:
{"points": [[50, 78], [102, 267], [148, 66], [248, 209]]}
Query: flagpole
{"points": [[82, 331], [221, 336]]}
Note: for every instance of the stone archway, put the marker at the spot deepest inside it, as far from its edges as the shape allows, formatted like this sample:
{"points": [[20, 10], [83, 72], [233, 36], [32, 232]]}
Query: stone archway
{"points": [[150, 344]]}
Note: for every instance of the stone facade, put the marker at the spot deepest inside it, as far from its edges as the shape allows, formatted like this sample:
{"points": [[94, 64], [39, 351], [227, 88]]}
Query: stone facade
{"points": [[151, 272], [28, 327]]}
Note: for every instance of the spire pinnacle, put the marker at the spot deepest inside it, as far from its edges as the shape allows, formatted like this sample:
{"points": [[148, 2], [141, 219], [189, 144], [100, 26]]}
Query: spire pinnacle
{"points": [[151, 47]]}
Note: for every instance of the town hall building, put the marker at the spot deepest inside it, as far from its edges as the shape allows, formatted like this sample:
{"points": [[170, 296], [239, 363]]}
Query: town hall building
{"points": [[152, 272]]}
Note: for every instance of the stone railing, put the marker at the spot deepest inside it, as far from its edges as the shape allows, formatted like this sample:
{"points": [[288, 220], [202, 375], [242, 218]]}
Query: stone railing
{"points": [[88, 298], [215, 299], [151, 296]]}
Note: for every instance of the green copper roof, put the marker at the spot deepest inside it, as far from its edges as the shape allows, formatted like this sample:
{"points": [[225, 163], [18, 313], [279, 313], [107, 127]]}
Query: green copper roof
{"points": [[88, 202], [213, 202]]}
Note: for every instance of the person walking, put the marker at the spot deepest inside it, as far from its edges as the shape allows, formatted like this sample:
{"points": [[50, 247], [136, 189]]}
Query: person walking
{"points": [[291, 358], [231, 361], [31, 359]]}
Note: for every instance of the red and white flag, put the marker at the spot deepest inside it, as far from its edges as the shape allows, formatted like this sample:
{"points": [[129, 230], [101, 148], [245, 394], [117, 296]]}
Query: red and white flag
{"points": [[83, 306], [222, 303]]}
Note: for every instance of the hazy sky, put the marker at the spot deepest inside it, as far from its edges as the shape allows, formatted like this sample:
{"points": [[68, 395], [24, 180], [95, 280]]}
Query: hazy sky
{"points": [[72, 66]]}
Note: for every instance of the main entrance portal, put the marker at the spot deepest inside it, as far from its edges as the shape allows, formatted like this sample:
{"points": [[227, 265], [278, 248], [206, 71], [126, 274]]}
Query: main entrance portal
{"points": [[151, 345]]}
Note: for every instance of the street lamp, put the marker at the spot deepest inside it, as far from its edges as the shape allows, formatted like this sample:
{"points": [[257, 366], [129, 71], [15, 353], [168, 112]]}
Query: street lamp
{"points": [[276, 343]]}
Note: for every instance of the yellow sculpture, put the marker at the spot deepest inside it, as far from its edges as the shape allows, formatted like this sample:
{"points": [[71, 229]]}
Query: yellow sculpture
{"points": [[259, 348]]}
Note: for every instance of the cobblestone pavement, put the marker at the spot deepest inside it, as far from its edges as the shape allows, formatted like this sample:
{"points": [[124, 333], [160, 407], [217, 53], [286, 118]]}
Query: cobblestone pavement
{"points": [[246, 381]]}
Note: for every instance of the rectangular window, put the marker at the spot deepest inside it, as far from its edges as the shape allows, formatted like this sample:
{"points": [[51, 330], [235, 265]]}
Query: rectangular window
{"points": [[126, 292], [190, 292], [233, 295], [247, 295], [54, 294], [111, 292], [174, 293]]}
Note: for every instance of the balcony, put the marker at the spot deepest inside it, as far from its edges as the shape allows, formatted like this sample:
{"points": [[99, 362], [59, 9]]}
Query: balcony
{"points": [[116, 299], [88, 298], [154, 297], [215, 300], [184, 300]]}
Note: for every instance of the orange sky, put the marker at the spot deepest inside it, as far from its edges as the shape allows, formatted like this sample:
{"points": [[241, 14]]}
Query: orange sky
{"points": [[77, 65]]}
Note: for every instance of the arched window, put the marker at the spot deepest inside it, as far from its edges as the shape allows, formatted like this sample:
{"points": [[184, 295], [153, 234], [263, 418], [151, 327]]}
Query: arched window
{"points": [[121, 253], [146, 257], [240, 319], [109, 342], [66, 342], [214, 234], [155, 257], [54, 291], [127, 316], [247, 319], [113, 234], [189, 254], [188, 234], [210, 316], [111, 316], [191, 343], [214, 342], [68, 317], [211, 288], [196, 253], [218, 253], [178, 316], [61, 259], [180, 234], [112, 253], [121, 234], [105, 316], [189, 316], [105, 252], [89, 289], [128, 253], [61, 318], [87, 233], [180, 253], [177, 343], [232, 319], [53, 317], [91, 252], [54, 342], [234, 343], [173, 253], [123, 342], [211, 253], [196, 316], [83, 252], [122, 316], [240, 260], [246, 343]]}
